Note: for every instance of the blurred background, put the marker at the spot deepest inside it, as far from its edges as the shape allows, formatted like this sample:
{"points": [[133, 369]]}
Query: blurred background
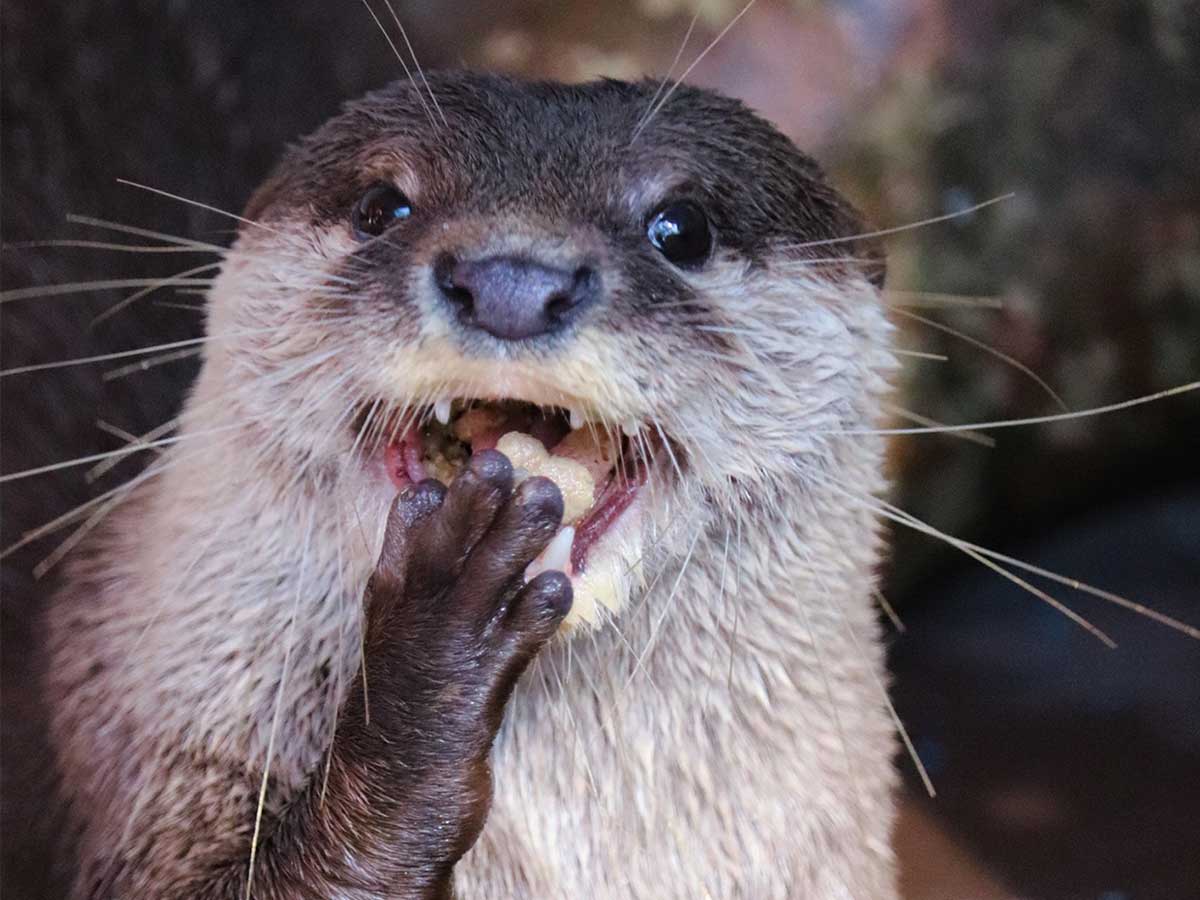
{"points": [[1064, 769]]}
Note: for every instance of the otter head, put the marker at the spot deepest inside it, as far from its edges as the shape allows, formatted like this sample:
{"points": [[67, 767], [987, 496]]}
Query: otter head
{"points": [[666, 315]]}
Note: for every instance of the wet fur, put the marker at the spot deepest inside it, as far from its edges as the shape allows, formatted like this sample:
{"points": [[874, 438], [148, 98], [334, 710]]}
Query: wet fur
{"points": [[727, 733]]}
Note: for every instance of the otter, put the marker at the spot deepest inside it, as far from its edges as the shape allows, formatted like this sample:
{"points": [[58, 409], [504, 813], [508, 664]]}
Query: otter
{"points": [[336, 627]]}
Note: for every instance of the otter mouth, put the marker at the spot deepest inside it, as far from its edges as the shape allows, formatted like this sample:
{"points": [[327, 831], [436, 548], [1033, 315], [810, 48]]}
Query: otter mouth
{"points": [[599, 468]]}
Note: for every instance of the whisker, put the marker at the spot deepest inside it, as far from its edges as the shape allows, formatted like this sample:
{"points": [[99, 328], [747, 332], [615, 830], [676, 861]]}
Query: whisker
{"points": [[144, 232], [824, 595], [143, 365], [83, 287], [894, 513], [884, 232], [688, 71], [986, 348], [416, 62], [104, 245], [666, 608], [125, 354], [936, 299], [889, 611], [921, 354], [123, 451], [110, 500], [403, 62], [670, 69], [1132, 605], [96, 471], [1033, 420], [900, 412], [178, 278], [287, 661], [198, 204]]}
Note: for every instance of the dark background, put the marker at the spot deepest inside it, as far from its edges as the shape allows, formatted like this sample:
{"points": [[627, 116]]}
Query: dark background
{"points": [[1064, 769]]}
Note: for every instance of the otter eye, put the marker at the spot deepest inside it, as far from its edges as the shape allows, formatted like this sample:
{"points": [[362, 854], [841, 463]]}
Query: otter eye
{"points": [[378, 209], [680, 232]]}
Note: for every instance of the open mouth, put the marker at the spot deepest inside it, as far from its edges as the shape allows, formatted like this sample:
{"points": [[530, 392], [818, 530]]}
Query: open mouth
{"points": [[600, 469]]}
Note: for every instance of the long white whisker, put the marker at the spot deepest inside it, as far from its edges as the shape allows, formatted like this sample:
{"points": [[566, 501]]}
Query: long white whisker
{"points": [[105, 245], [183, 277], [84, 287], [825, 596], [889, 611], [416, 62], [287, 661], [688, 71], [902, 413], [666, 607], [198, 204], [884, 232], [403, 62], [986, 348], [143, 365], [1033, 420], [123, 451], [139, 351], [938, 300], [145, 232], [670, 69], [898, 515]]}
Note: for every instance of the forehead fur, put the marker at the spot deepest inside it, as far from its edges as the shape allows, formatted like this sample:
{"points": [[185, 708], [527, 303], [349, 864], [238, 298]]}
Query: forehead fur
{"points": [[559, 150]]}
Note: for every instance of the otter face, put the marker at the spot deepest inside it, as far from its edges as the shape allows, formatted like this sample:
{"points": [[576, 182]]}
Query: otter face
{"points": [[666, 318]]}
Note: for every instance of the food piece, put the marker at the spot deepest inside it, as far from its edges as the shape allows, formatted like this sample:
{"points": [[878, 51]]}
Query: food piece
{"points": [[524, 451], [574, 481]]}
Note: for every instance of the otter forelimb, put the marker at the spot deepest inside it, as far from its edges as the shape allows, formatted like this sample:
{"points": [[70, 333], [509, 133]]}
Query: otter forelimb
{"points": [[449, 630]]}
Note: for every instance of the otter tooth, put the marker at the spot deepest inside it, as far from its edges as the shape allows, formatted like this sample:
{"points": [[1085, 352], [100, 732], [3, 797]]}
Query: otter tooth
{"points": [[557, 555], [577, 420], [629, 428], [441, 411]]}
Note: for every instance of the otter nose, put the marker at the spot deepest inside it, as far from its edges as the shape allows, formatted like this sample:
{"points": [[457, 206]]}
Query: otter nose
{"points": [[513, 298]]}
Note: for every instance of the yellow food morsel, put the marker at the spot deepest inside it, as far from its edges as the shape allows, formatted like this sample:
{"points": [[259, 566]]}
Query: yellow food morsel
{"points": [[574, 481], [524, 451]]}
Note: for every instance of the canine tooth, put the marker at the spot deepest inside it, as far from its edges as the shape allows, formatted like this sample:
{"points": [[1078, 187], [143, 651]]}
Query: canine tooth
{"points": [[441, 411], [629, 428], [577, 420], [557, 555], [558, 551]]}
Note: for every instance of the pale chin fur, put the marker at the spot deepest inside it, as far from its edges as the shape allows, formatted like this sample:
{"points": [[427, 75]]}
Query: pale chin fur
{"points": [[700, 741]]}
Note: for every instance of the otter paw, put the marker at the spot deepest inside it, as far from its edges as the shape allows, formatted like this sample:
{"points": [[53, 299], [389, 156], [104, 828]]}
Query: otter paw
{"points": [[449, 613]]}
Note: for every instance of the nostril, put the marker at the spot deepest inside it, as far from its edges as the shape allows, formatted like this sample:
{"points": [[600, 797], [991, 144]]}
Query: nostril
{"points": [[582, 287], [461, 297], [453, 282], [560, 304]]}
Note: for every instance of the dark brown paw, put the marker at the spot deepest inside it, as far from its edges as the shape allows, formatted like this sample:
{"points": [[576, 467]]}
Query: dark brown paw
{"points": [[449, 612]]}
